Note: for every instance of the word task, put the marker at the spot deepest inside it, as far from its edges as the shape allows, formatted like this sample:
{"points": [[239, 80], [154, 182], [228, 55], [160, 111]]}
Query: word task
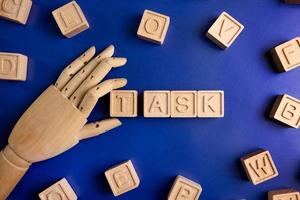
{"points": [[60, 191], [122, 178], [70, 19], [13, 66], [225, 30], [153, 27], [287, 55], [162, 103], [286, 109], [15, 10], [259, 166], [184, 188], [284, 194], [123, 103]]}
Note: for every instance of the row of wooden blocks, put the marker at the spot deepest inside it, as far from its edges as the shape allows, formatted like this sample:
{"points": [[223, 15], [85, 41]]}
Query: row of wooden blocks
{"points": [[153, 26], [18, 11], [164, 103], [180, 104], [69, 18], [259, 167], [13, 66]]}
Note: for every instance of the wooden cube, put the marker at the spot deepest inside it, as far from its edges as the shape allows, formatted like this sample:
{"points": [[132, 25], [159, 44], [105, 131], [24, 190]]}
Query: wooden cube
{"points": [[15, 10], [13, 66], [225, 30], [153, 27], [122, 178], [259, 166], [284, 194], [123, 103], [157, 103], [70, 19], [183, 104], [287, 55], [292, 1], [286, 109], [60, 190], [184, 188], [211, 103]]}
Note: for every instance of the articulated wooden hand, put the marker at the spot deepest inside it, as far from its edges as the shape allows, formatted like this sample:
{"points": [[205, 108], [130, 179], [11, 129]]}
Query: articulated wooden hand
{"points": [[56, 121]]}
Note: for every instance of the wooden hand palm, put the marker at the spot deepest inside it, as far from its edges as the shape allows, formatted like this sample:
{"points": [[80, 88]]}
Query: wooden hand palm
{"points": [[56, 121]]}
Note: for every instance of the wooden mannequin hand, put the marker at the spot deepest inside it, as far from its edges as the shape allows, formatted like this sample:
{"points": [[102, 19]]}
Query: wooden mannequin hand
{"points": [[56, 121]]}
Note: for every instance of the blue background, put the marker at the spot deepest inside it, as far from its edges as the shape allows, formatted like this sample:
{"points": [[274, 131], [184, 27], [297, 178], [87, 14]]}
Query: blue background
{"points": [[204, 150]]}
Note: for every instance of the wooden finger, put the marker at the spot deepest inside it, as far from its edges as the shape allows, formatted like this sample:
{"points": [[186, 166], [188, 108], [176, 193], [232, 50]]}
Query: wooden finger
{"points": [[74, 83], [98, 128], [90, 99], [95, 77], [74, 67]]}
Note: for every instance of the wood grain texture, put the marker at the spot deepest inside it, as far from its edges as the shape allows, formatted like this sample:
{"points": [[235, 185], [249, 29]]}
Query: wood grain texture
{"points": [[184, 188], [287, 55], [12, 169], [70, 19], [122, 178], [13, 66], [284, 194], [153, 27], [16, 11], [60, 190], [225, 30], [286, 109], [47, 128], [259, 166]]}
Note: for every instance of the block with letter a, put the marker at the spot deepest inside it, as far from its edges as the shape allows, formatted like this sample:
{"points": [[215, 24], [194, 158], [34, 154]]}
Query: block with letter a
{"points": [[157, 103]]}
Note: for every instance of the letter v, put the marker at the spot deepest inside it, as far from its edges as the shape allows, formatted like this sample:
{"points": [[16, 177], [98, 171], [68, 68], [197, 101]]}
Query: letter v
{"points": [[223, 27]]}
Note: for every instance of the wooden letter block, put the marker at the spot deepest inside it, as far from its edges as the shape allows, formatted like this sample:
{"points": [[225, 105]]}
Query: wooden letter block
{"points": [[59, 191], [210, 103], [15, 10], [293, 1], [157, 103], [122, 178], [286, 109], [70, 19], [13, 66], [287, 55], [225, 30], [183, 104], [184, 189], [123, 103], [284, 194], [259, 166], [153, 27]]}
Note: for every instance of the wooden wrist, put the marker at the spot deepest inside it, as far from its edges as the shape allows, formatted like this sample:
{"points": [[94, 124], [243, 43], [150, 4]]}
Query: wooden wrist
{"points": [[12, 169]]}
